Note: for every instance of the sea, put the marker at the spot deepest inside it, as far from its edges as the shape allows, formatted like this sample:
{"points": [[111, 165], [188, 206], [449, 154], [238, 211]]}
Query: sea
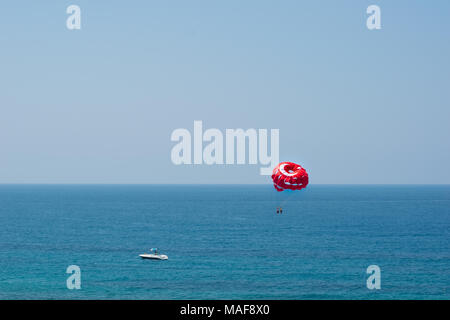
{"points": [[225, 241]]}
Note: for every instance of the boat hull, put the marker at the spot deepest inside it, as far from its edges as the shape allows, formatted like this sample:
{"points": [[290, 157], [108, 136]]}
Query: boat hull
{"points": [[154, 256]]}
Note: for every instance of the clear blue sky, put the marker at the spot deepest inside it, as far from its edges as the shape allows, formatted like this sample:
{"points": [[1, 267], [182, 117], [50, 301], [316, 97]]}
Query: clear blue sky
{"points": [[98, 105]]}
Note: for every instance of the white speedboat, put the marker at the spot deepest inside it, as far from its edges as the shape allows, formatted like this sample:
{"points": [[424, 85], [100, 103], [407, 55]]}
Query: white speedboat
{"points": [[154, 254]]}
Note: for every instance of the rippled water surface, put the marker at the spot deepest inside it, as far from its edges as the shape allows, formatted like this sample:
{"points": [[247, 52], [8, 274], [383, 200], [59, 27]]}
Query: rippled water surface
{"points": [[224, 242]]}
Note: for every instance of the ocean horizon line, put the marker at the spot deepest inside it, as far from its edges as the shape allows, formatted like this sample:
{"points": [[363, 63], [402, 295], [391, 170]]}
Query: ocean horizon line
{"points": [[211, 184]]}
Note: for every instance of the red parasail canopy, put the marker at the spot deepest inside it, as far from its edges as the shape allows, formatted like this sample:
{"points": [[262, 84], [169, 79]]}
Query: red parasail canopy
{"points": [[289, 175]]}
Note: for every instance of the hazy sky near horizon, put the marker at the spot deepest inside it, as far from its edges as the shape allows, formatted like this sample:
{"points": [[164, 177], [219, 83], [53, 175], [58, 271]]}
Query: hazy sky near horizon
{"points": [[98, 105]]}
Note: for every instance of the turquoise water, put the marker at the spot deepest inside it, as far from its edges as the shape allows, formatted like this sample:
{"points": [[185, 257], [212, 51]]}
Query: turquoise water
{"points": [[224, 242]]}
